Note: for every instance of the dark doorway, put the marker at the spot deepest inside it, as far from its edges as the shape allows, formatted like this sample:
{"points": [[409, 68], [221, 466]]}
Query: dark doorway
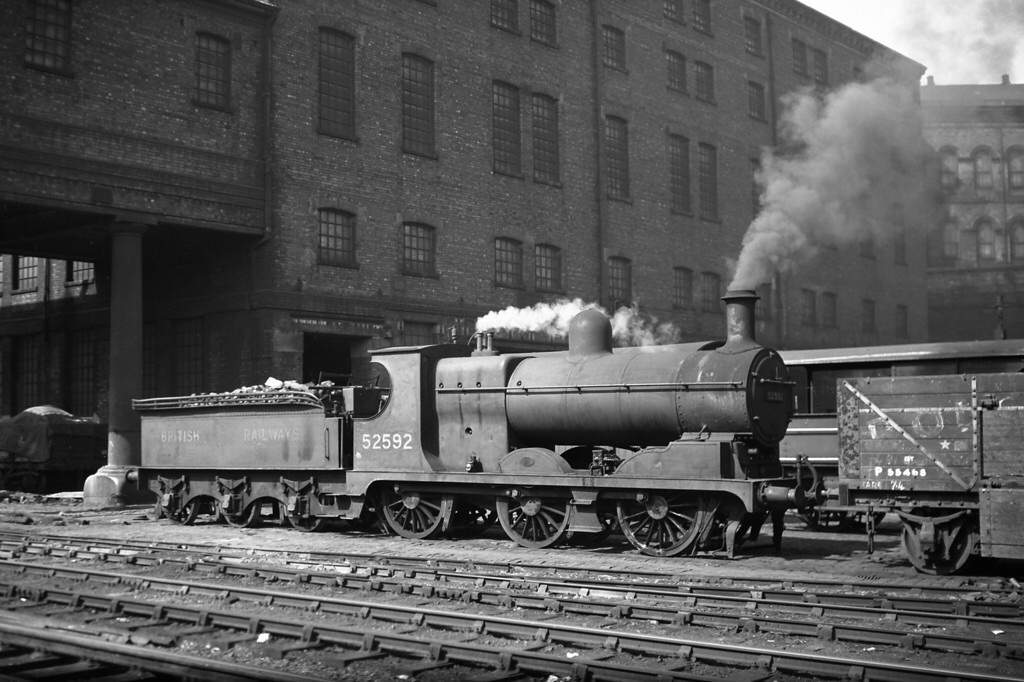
{"points": [[326, 357]]}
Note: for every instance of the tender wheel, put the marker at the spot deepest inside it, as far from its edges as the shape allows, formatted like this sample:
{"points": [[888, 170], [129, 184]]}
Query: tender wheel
{"points": [[532, 521], [470, 520], [662, 524], [247, 518], [414, 515], [198, 508], [944, 548]]}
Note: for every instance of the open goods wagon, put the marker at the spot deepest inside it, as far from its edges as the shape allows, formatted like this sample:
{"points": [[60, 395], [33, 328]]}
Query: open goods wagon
{"points": [[946, 453]]}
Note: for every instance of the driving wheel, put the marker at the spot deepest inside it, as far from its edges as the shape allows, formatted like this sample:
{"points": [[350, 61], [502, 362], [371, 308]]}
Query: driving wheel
{"points": [[533, 521], [661, 524], [412, 514]]}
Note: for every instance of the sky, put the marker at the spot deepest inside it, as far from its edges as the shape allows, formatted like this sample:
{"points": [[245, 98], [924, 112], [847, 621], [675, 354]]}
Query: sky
{"points": [[959, 41]]}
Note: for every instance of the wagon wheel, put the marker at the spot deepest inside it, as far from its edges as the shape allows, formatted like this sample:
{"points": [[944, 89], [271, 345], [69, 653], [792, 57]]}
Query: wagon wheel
{"points": [[532, 521], [247, 518], [470, 520], [946, 550], [191, 510], [662, 524], [414, 515]]}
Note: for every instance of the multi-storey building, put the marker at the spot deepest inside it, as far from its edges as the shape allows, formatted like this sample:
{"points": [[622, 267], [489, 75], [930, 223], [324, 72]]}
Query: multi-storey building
{"points": [[275, 188], [976, 254]]}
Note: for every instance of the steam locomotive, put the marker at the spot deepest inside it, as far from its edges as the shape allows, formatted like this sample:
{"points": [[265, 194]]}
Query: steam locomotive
{"points": [[676, 444]]}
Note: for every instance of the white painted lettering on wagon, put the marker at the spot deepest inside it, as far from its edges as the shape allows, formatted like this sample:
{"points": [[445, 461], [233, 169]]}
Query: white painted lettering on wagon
{"points": [[179, 436], [271, 434]]}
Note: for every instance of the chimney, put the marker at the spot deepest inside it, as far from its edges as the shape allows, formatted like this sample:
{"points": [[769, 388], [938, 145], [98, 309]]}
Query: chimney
{"points": [[739, 318], [1006, 79], [931, 80]]}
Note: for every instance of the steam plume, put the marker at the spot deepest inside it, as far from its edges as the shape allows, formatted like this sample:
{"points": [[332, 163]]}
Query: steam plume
{"points": [[851, 166], [629, 325], [965, 42]]}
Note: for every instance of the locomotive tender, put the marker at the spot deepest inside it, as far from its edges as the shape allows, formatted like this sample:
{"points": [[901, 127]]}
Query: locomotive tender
{"points": [[678, 443]]}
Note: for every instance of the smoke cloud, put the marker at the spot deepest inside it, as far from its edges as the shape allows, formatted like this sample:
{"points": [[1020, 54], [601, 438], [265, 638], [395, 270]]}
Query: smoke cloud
{"points": [[959, 41], [630, 327], [851, 166], [965, 42]]}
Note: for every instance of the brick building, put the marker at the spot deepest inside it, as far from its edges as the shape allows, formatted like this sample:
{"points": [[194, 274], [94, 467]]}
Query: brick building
{"points": [[274, 188], [976, 256]]}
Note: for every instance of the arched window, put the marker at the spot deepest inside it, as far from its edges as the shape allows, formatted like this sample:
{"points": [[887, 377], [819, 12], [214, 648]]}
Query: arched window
{"points": [[982, 159], [949, 172], [991, 242], [1017, 240], [1015, 168], [951, 241]]}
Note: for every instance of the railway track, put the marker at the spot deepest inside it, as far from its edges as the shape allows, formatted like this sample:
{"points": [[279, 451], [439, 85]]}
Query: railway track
{"points": [[376, 584]]}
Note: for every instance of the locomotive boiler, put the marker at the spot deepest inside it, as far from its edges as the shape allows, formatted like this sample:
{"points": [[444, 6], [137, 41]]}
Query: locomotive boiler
{"points": [[676, 444]]}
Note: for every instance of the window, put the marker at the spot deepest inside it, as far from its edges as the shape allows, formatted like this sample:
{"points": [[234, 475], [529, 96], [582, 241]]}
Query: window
{"points": [[705, 81], [673, 10], [702, 15], [543, 23], [949, 169], [506, 135], [188, 356], [544, 121], [679, 173], [867, 316], [29, 371], [982, 169], [711, 292], [808, 311], [755, 187], [82, 379], [755, 100], [79, 272], [752, 35], [3, 261], [508, 262], [617, 149], [419, 333], [676, 67], [505, 14], [682, 289], [337, 238], [902, 323], [799, 57], [986, 243], [1015, 168], [951, 241], [899, 246], [48, 35], [820, 67], [614, 54], [1016, 241], [829, 313], [418, 249], [867, 247], [707, 177], [417, 105], [620, 281], [25, 271], [337, 104], [547, 267], [766, 310], [213, 71]]}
